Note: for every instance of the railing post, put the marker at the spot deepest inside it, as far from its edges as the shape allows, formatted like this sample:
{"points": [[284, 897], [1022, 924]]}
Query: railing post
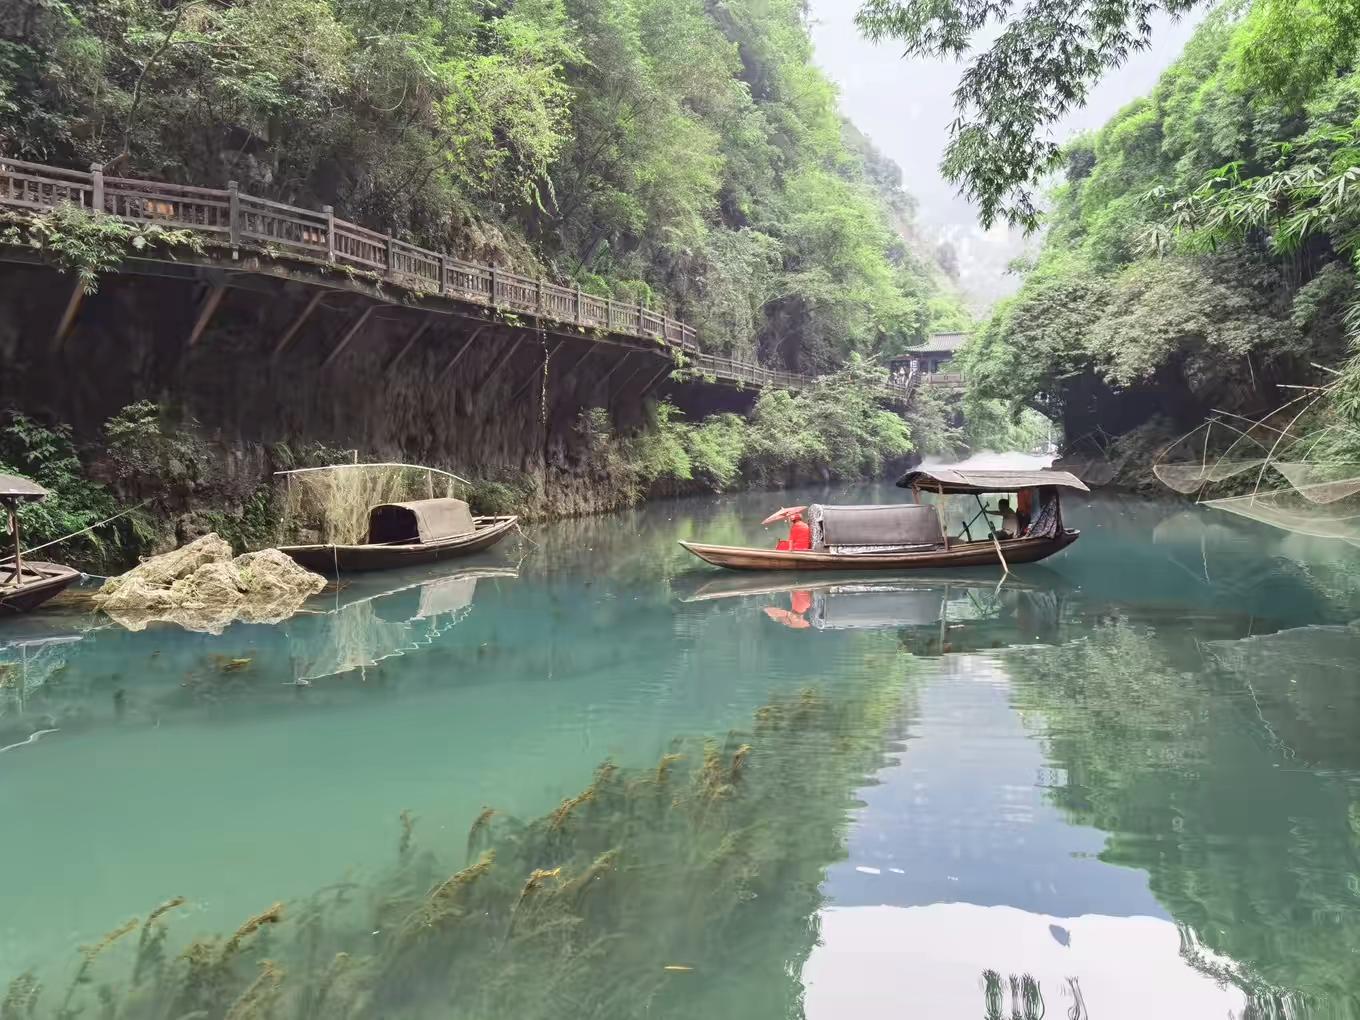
{"points": [[234, 212], [493, 287], [538, 296], [97, 187], [609, 314], [578, 304], [443, 273], [391, 255], [329, 210]]}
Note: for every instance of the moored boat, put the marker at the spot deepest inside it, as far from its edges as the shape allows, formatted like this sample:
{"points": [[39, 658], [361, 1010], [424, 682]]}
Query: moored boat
{"points": [[912, 536], [26, 584], [408, 534]]}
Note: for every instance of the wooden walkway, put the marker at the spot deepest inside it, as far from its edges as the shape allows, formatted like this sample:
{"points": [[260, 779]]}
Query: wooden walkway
{"points": [[232, 220]]}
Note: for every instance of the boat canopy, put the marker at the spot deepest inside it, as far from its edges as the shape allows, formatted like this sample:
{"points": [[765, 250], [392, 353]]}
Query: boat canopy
{"points": [[864, 529], [969, 480], [14, 487], [423, 520]]}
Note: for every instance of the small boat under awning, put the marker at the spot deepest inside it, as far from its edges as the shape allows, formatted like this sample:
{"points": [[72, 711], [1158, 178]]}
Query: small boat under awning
{"points": [[408, 534], [913, 536], [26, 584]]}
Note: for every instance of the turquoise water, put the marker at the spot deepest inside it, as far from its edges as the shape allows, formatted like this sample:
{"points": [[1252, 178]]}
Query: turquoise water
{"points": [[1131, 772]]}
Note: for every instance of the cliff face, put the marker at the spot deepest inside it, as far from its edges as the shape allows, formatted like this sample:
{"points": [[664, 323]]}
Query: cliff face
{"points": [[494, 414]]}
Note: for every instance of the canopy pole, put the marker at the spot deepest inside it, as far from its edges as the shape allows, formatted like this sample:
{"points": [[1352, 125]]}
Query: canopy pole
{"points": [[10, 505], [939, 512]]}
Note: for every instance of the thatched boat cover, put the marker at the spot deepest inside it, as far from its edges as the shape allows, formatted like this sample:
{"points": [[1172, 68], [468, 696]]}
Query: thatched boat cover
{"points": [[969, 480], [423, 520], [850, 529], [14, 487]]}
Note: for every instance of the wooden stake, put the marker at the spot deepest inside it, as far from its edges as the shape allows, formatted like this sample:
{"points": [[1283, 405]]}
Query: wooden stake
{"points": [[205, 313], [420, 331], [350, 335], [613, 368], [500, 362], [467, 346], [297, 324], [68, 316], [655, 380], [537, 372]]}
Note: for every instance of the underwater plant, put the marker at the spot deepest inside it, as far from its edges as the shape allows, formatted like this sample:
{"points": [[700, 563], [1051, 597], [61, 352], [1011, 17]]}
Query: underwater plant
{"points": [[666, 889]]}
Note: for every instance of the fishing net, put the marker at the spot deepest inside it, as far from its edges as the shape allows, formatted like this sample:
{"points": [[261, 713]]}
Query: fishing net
{"points": [[1190, 478], [1322, 497], [1321, 483], [330, 505], [1320, 510], [1214, 453]]}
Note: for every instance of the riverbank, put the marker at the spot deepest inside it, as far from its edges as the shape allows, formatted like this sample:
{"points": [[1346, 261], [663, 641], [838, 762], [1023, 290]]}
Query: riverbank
{"points": [[181, 478]]}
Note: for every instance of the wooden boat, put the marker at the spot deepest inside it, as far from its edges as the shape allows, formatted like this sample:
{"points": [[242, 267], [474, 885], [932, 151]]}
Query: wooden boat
{"points": [[25, 585], [913, 536], [408, 535]]}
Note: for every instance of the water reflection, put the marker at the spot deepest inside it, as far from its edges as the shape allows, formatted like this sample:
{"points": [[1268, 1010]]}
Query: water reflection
{"points": [[1129, 772], [364, 627]]}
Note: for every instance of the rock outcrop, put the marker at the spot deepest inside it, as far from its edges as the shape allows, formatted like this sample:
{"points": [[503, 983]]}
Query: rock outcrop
{"points": [[203, 587]]}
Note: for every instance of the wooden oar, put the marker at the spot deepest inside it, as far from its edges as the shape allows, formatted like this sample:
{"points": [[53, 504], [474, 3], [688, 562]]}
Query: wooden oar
{"points": [[1000, 556]]}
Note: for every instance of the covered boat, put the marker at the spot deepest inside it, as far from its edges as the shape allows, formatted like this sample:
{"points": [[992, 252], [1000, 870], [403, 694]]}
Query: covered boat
{"points": [[26, 584], [917, 535], [408, 534]]}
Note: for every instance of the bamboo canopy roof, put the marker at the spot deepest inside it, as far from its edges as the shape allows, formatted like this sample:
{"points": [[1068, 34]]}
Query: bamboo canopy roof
{"points": [[972, 480], [14, 487]]}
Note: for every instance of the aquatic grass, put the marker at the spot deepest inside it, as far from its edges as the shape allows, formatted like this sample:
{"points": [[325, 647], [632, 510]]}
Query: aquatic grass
{"points": [[21, 997], [151, 941], [708, 860], [478, 831], [257, 1001], [88, 955]]}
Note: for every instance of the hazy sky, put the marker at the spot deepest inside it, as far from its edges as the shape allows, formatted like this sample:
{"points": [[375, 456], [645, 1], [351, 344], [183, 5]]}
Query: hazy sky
{"points": [[906, 107]]}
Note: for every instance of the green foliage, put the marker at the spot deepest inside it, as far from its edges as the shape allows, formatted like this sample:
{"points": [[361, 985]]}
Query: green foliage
{"points": [[672, 151], [833, 430], [1204, 234], [48, 456], [1001, 149], [89, 243], [996, 425]]}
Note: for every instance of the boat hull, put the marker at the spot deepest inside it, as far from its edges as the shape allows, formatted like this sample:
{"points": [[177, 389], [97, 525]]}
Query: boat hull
{"points": [[960, 554], [345, 559], [48, 580]]}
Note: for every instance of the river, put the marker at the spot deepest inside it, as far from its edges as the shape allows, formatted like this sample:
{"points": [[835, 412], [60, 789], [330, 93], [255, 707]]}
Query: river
{"points": [[1125, 783]]}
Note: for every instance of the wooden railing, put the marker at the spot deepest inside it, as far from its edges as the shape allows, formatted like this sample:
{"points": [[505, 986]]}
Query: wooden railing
{"points": [[232, 217]]}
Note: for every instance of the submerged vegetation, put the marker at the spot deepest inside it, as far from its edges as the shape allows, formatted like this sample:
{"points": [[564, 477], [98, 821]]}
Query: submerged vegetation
{"points": [[726, 840]]}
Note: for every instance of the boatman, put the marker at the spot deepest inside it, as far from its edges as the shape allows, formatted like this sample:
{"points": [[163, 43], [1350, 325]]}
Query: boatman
{"points": [[800, 534]]}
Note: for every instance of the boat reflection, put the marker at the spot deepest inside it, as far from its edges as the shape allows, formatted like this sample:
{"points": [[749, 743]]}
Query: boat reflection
{"points": [[364, 627], [932, 615], [57, 678], [935, 615]]}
